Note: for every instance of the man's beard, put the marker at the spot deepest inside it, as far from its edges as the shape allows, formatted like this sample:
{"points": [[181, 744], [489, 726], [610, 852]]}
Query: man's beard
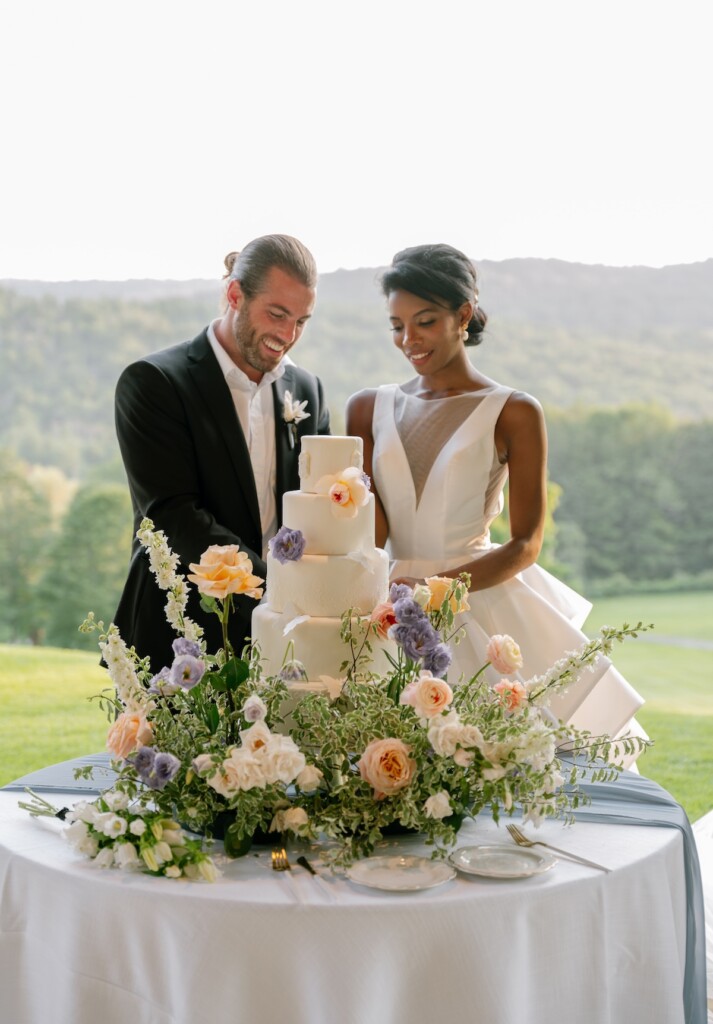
{"points": [[248, 341]]}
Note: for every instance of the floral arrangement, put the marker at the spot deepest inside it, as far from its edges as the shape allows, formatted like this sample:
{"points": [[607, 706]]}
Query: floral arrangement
{"points": [[202, 745]]}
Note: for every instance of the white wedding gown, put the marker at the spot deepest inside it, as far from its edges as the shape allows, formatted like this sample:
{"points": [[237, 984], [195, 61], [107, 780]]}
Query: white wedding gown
{"points": [[449, 525]]}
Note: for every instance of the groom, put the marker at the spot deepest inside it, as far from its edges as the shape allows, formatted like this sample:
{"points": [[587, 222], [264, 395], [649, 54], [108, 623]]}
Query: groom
{"points": [[208, 439]]}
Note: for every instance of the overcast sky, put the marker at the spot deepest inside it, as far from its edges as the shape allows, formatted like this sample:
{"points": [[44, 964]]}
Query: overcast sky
{"points": [[147, 139]]}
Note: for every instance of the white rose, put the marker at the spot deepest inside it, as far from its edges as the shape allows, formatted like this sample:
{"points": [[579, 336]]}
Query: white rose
{"points": [[438, 805], [463, 758], [444, 733], [295, 819], [105, 858], [126, 857], [256, 737], [202, 763], [241, 771], [309, 778], [283, 760]]}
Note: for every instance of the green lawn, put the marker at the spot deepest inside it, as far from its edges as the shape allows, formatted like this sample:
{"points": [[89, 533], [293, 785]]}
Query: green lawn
{"points": [[46, 716]]}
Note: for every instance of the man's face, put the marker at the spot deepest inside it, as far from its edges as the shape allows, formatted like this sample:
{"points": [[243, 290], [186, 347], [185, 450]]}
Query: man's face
{"points": [[267, 326]]}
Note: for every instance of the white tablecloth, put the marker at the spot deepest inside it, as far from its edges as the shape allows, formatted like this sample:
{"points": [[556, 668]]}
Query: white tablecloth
{"points": [[81, 945]]}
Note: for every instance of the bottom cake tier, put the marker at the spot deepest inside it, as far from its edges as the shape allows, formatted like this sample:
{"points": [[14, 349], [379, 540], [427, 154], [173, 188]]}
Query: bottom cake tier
{"points": [[316, 642]]}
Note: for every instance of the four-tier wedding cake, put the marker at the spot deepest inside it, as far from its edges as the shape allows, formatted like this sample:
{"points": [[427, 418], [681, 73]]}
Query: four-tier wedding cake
{"points": [[322, 562]]}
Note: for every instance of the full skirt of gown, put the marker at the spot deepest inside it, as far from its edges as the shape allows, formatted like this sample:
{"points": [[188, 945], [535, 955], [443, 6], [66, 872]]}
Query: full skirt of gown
{"points": [[449, 526]]}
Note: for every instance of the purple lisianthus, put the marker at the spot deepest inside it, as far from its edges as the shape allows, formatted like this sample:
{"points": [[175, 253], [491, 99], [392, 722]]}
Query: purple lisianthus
{"points": [[417, 639], [143, 761], [287, 545], [254, 708], [293, 671], [438, 660], [408, 611], [366, 479], [165, 767], [399, 590], [183, 646], [161, 683], [187, 671]]}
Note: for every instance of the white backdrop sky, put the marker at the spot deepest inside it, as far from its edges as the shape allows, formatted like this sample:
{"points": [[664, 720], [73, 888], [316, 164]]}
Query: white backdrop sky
{"points": [[147, 139]]}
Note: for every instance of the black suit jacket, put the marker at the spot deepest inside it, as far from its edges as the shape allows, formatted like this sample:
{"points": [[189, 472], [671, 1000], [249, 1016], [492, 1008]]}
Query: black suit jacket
{"points": [[189, 470]]}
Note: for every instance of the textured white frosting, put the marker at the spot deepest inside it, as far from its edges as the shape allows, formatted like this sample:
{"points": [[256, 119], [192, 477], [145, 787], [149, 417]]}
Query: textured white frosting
{"points": [[319, 584], [324, 455], [317, 644], [324, 532]]}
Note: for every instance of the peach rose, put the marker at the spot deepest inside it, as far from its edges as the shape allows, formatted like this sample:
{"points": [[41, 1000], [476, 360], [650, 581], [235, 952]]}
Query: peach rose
{"points": [[512, 693], [129, 732], [348, 491], [383, 618], [503, 654], [439, 587], [427, 695], [386, 766], [225, 570]]}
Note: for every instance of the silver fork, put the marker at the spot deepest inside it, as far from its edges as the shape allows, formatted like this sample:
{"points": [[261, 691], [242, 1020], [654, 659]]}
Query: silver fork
{"points": [[522, 840]]}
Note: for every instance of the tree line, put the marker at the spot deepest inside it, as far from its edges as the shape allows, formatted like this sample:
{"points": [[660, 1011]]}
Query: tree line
{"points": [[631, 507]]}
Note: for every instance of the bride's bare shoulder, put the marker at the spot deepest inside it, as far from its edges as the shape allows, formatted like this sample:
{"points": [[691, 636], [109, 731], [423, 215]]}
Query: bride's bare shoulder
{"points": [[360, 410]]}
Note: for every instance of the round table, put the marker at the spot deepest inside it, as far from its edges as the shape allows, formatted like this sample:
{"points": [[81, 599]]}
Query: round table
{"points": [[82, 945]]}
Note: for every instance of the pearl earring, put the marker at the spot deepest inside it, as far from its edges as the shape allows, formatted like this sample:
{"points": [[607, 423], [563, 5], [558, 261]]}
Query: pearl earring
{"points": [[464, 337]]}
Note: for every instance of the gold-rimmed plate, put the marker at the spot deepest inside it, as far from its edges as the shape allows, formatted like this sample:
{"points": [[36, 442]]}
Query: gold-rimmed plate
{"points": [[500, 861], [400, 873]]}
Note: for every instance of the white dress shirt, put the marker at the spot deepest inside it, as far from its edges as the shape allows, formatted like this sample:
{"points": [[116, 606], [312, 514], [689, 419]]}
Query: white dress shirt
{"points": [[256, 413]]}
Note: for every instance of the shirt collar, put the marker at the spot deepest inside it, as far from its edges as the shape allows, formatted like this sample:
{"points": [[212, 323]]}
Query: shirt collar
{"points": [[233, 374]]}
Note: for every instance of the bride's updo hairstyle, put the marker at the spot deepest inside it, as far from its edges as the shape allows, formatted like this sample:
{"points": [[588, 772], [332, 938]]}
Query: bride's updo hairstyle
{"points": [[251, 265], [440, 274]]}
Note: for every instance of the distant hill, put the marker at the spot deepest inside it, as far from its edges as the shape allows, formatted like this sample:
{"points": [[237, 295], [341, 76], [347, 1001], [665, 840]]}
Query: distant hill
{"points": [[571, 334]]}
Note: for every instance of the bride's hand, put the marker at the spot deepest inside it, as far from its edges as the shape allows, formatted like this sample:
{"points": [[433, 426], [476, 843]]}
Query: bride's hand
{"points": [[410, 581]]}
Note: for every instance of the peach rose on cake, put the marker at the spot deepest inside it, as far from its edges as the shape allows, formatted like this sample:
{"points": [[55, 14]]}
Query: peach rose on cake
{"points": [[129, 732], [348, 491], [386, 766], [223, 570], [427, 695], [503, 654]]}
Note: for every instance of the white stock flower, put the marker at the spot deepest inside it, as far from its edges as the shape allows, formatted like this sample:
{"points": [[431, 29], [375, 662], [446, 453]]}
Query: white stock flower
{"points": [[438, 805]]}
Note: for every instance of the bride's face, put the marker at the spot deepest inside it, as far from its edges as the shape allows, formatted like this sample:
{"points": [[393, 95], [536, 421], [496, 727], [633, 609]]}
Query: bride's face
{"points": [[428, 334]]}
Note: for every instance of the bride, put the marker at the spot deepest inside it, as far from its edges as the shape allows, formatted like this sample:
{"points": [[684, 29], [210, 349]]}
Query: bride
{"points": [[439, 449]]}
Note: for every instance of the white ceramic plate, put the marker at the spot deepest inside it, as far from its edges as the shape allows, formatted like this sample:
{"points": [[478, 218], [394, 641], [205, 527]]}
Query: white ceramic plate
{"points": [[400, 873], [499, 861]]}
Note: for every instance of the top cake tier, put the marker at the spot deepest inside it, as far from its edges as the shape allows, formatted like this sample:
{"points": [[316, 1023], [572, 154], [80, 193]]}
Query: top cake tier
{"points": [[324, 455]]}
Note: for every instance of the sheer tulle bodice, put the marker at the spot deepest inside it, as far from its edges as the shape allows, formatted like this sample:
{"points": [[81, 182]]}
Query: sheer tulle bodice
{"points": [[449, 526]]}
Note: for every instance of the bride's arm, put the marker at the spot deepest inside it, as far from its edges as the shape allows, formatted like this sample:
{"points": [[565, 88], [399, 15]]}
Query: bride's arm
{"points": [[359, 416]]}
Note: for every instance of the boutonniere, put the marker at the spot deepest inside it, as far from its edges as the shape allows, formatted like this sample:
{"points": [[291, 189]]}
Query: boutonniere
{"points": [[293, 412]]}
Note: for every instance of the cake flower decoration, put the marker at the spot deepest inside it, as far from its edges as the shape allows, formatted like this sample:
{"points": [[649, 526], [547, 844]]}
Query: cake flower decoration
{"points": [[287, 545], [348, 491], [293, 412]]}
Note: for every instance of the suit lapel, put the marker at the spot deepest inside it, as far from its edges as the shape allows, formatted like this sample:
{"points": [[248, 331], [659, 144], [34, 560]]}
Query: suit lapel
{"points": [[209, 379]]}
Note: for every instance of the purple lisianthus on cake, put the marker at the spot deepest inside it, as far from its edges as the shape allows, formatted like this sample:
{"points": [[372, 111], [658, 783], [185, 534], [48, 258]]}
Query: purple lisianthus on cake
{"points": [[187, 671], [287, 545]]}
